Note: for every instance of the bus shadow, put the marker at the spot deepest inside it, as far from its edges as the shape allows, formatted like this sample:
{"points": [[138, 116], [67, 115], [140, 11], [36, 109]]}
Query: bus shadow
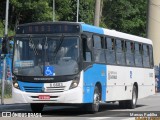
{"points": [[61, 111], [115, 107], [78, 111]]}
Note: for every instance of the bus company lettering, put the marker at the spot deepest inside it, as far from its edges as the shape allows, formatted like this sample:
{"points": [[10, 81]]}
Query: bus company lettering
{"points": [[43, 78], [112, 75]]}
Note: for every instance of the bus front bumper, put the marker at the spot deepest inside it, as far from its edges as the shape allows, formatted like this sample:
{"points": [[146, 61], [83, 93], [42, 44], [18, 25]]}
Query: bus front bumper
{"points": [[69, 96]]}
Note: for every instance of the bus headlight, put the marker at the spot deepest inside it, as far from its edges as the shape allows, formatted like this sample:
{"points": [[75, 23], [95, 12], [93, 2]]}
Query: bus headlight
{"points": [[74, 83], [15, 85]]}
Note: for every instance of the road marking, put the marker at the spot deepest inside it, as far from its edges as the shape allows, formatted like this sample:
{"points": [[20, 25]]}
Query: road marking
{"points": [[130, 118], [102, 118], [99, 118]]}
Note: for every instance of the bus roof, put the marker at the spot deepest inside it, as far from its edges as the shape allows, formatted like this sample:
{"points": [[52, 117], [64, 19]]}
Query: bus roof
{"points": [[98, 30], [114, 33]]}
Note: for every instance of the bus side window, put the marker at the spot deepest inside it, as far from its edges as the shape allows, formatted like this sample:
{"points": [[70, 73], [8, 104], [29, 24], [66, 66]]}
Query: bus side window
{"points": [[130, 53], [97, 42], [146, 56], [87, 56], [120, 57], [110, 50], [138, 55], [151, 56], [98, 50]]}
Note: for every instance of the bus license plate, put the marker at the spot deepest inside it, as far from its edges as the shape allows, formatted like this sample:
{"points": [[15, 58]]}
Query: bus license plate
{"points": [[56, 84], [44, 97]]}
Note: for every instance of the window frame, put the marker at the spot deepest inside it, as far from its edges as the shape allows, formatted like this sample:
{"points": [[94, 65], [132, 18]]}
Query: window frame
{"points": [[102, 42], [124, 50]]}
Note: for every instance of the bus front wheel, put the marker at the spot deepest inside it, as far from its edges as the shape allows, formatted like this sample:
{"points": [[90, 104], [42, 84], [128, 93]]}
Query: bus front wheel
{"points": [[94, 107], [36, 107]]}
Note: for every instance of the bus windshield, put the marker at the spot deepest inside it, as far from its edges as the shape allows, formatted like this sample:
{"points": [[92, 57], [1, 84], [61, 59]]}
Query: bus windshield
{"points": [[46, 56]]}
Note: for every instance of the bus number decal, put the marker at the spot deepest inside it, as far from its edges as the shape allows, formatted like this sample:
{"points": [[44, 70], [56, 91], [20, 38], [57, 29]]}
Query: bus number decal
{"points": [[112, 75], [131, 74]]}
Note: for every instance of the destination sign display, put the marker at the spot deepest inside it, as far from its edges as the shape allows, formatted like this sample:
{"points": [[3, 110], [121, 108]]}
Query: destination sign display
{"points": [[47, 28]]}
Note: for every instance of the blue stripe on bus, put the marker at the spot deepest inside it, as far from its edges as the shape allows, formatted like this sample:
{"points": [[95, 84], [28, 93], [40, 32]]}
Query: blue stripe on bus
{"points": [[91, 76], [30, 87], [90, 28]]}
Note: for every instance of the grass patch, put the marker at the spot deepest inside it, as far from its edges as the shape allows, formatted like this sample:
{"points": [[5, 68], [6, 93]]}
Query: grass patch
{"points": [[7, 89]]}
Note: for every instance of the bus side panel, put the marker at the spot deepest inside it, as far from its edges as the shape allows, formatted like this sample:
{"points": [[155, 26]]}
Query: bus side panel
{"points": [[97, 73], [148, 86], [120, 82]]}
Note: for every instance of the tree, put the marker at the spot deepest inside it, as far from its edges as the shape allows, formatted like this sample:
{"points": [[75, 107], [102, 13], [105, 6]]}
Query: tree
{"points": [[126, 16], [66, 10], [123, 15], [24, 11]]}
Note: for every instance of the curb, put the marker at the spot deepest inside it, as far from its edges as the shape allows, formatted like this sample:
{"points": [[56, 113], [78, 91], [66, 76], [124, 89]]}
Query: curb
{"points": [[4, 106]]}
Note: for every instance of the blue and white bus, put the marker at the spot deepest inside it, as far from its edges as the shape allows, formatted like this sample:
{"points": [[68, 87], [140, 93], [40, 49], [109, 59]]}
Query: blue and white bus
{"points": [[76, 63]]}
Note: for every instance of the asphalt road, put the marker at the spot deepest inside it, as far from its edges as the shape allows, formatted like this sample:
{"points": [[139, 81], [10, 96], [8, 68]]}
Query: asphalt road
{"points": [[147, 106]]}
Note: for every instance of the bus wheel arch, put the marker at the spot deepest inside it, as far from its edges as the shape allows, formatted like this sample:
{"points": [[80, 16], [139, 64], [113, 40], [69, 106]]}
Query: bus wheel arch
{"points": [[99, 86], [130, 104], [136, 85], [94, 106]]}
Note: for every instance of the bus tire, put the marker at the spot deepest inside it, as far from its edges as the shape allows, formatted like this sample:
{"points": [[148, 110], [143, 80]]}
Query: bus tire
{"points": [[36, 107], [94, 107], [131, 104]]}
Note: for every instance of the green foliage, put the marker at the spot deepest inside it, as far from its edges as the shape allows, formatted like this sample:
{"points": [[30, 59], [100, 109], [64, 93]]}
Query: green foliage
{"points": [[31, 10], [1, 28], [87, 11], [122, 15], [7, 90], [126, 15], [66, 10], [10, 31]]}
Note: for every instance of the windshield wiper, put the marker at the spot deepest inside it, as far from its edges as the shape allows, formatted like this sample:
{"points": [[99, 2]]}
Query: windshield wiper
{"points": [[33, 46], [46, 44], [58, 47]]}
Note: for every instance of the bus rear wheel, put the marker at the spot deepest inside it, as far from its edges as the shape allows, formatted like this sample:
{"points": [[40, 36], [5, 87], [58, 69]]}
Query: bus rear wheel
{"points": [[131, 104], [94, 107], [36, 107]]}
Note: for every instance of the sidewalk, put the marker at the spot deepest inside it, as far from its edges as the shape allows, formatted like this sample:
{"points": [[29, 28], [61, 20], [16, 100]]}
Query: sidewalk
{"points": [[7, 101], [9, 104]]}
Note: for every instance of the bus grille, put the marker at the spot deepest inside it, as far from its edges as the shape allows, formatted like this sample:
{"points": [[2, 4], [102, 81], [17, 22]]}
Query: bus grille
{"points": [[46, 90], [33, 89], [55, 89]]}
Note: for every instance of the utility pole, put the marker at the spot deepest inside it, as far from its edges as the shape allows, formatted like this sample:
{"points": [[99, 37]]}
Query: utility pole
{"points": [[6, 18], [153, 28], [4, 61], [77, 10], [97, 12], [53, 10]]}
